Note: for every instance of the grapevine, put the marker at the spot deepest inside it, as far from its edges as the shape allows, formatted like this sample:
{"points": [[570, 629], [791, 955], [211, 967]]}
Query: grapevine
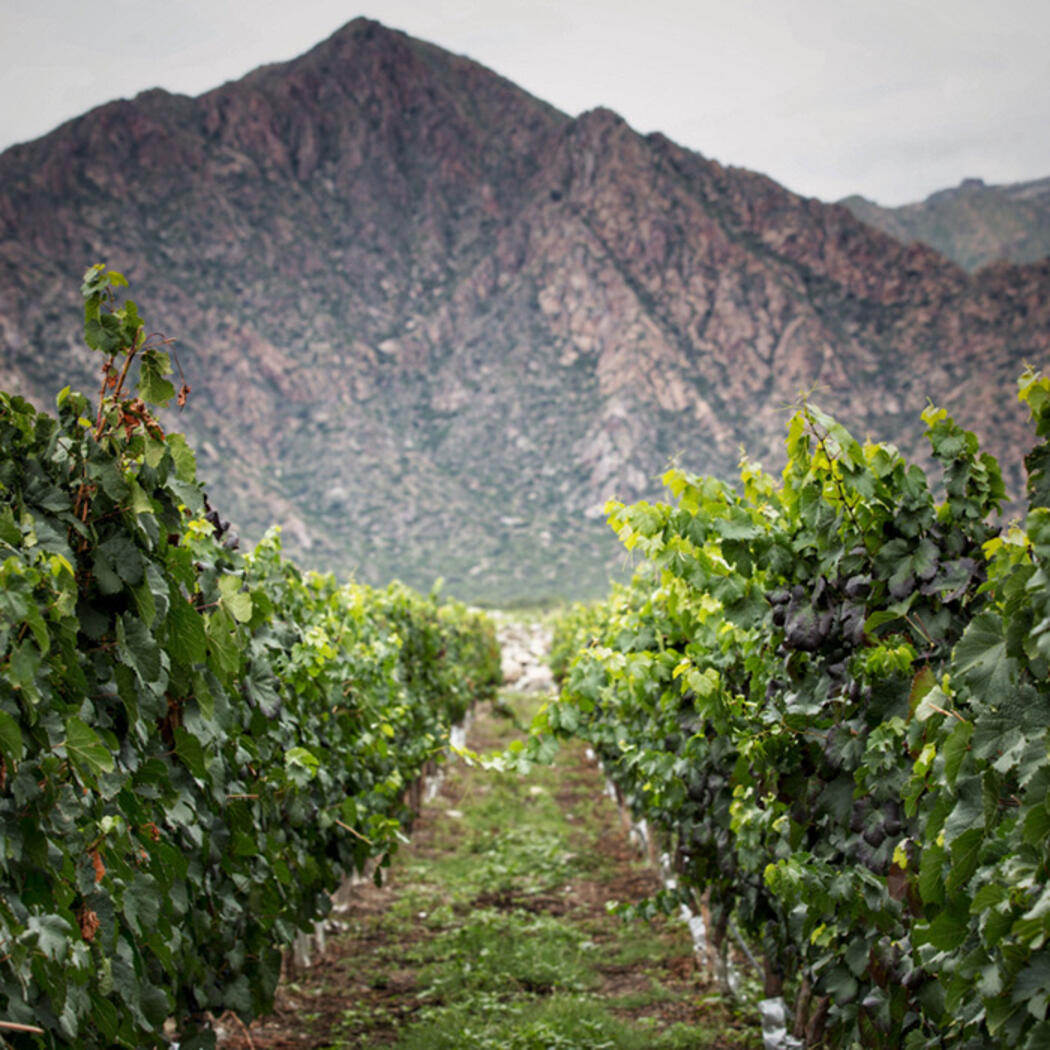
{"points": [[195, 744], [829, 695]]}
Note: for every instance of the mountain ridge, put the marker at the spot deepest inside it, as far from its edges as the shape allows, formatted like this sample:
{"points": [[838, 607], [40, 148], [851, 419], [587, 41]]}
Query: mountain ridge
{"points": [[974, 224], [432, 324]]}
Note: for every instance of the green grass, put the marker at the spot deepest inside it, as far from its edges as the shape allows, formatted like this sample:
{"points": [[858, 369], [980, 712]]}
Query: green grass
{"points": [[500, 951], [637, 945], [557, 1023], [489, 949]]}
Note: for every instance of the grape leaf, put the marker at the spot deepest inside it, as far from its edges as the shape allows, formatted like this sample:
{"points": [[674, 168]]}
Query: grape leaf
{"points": [[86, 749]]}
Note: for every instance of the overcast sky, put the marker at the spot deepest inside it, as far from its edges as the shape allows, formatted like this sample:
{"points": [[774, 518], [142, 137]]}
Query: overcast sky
{"points": [[889, 98]]}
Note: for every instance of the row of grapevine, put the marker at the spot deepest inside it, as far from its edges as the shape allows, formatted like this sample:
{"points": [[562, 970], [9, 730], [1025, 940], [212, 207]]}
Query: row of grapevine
{"points": [[831, 698], [195, 744]]}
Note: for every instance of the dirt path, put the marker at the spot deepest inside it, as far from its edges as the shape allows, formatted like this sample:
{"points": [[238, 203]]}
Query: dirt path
{"points": [[491, 931]]}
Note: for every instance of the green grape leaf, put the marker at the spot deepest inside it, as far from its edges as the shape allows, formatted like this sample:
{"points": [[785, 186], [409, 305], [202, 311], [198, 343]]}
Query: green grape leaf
{"points": [[224, 644], [981, 659], [142, 903], [86, 748], [189, 749], [931, 873], [187, 638], [10, 737], [1032, 985], [237, 602], [139, 649], [183, 456], [53, 935], [840, 984], [964, 852], [954, 750], [153, 387], [155, 1005], [968, 811], [301, 765], [950, 928]]}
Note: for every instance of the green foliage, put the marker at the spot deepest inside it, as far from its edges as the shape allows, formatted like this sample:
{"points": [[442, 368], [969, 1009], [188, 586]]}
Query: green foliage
{"points": [[195, 744], [830, 698], [571, 629]]}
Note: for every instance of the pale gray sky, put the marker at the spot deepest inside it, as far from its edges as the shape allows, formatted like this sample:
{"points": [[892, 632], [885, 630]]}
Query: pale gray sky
{"points": [[889, 98]]}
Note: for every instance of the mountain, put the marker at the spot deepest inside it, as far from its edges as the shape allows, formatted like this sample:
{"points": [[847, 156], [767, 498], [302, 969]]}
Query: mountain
{"points": [[973, 223], [432, 324]]}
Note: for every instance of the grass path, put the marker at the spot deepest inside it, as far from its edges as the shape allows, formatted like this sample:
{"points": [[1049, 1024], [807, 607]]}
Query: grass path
{"points": [[491, 932]]}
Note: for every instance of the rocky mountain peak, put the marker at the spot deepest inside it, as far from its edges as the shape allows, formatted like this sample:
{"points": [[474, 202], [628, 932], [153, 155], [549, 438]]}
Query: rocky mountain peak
{"points": [[432, 323]]}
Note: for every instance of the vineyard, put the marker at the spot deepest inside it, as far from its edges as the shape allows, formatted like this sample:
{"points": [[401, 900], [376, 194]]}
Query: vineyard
{"points": [[196, 745], [828, 699], [823, 700]]}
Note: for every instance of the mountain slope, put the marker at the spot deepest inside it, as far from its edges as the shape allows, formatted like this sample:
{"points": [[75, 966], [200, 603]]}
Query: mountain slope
{"points": [[972, 223], [432, 324]]}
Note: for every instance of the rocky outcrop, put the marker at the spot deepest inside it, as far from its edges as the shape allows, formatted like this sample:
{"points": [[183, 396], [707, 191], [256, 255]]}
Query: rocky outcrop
{"points": [[432, 324]]}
